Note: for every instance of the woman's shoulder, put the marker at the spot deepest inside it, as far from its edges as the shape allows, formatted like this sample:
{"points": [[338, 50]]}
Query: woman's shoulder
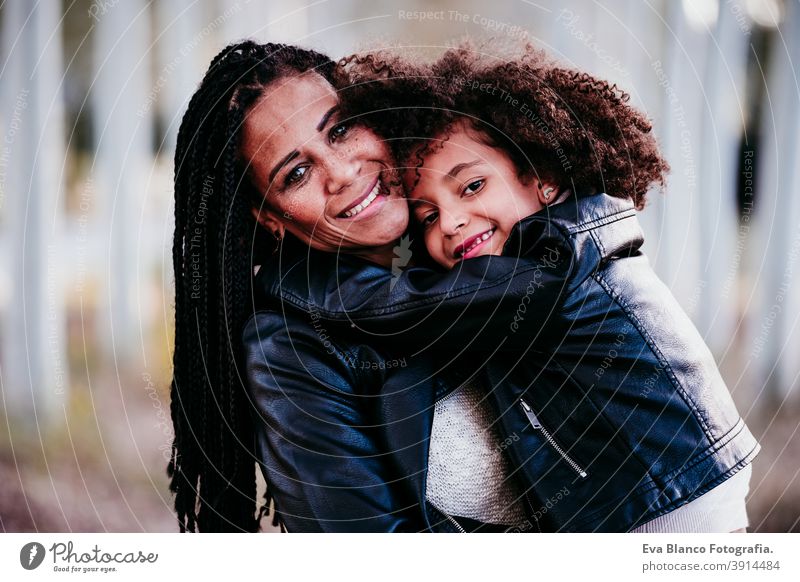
{"points": [[277, 330], [284, 352], [305, 279], [266, 321]]}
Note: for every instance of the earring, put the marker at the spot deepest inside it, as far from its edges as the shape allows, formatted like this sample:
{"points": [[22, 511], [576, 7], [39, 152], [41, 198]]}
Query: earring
{"points": [[278, 238], [547, 192]]}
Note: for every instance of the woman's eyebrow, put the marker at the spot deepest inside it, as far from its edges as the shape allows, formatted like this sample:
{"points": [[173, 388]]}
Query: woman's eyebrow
{"points": [[294, 153], [324, 121]]}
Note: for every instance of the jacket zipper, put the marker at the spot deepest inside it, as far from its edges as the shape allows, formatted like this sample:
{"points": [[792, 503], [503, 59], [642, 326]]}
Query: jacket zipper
{"points": [[532, 512], [450, 518], [454, 522], [549, 438]]}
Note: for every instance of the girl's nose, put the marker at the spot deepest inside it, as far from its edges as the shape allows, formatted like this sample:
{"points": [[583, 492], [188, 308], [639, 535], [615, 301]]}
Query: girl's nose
{"points": [[452, 222]]}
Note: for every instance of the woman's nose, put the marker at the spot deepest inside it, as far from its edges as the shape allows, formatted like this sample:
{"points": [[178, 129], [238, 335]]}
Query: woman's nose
{"points": [[341, 172]]}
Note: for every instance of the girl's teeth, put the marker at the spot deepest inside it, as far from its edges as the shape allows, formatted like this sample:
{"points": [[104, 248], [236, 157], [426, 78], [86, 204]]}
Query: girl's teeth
{"points": [[478, 241], [366, 202]]}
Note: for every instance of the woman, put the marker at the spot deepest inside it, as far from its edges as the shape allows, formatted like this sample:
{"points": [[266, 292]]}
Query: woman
{"points": [[215, 234]]}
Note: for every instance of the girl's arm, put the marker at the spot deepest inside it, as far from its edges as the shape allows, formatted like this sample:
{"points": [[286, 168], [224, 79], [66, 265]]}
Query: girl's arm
{"points": [[314, 441], [490, 302]]}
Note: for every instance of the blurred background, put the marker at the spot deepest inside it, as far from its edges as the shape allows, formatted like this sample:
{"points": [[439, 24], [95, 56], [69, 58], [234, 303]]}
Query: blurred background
{"points": [[92, 95]]}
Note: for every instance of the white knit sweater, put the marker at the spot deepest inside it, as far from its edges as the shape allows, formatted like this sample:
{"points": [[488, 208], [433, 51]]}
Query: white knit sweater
{"points": [[468, 473]]}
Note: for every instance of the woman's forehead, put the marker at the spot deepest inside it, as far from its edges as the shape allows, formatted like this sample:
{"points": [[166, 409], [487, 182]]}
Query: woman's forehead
{"points": [[285, 118], [291, 102]]}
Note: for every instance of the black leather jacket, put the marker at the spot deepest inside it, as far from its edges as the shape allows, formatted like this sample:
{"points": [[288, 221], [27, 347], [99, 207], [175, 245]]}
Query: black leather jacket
{"points": [[610, 405]]}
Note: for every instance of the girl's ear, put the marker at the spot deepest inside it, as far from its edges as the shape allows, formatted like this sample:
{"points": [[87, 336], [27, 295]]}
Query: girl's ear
{"points": [[270, 221], [546, 192]]}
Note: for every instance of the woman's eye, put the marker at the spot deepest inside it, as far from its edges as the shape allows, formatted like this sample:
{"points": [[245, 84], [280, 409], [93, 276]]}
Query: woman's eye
{"points": [[429, 219], [339, 131], [473, 187], [296, 174]]}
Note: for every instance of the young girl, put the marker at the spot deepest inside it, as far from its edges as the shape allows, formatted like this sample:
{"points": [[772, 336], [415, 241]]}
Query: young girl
{"points": [[467, 199], [612, 409]]}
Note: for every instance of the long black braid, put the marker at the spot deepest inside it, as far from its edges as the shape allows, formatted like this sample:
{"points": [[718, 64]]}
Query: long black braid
{"points": [[213, 460]]}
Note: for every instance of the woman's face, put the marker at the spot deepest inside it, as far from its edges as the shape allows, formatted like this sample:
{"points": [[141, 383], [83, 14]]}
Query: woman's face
{"points": [[327, 183], [468, 198]]}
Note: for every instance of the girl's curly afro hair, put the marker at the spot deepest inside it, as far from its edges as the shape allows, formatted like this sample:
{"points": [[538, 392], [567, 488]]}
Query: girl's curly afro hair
{"points": [[554, 123]]}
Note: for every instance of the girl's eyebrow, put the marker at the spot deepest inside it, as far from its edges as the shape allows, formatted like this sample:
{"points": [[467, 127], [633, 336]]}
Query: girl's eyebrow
{"points": [[458, 168], [414, 203], [453, 174]]}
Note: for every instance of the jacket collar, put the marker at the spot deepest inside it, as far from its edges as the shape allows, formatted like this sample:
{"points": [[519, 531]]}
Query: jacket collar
{"points": [[611, 222], [589, 209]]}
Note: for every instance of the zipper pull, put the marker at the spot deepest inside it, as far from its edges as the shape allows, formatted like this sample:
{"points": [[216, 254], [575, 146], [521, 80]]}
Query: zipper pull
{"points": [[549, 438], [530, 414]]}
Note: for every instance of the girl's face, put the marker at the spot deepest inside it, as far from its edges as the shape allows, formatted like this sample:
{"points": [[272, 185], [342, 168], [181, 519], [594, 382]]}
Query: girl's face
{"points": [[327, 183], [468, 198]]}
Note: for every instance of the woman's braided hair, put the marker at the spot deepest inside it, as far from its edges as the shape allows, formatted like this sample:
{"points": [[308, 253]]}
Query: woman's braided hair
{"points": [[213, 461], [552, 122]]}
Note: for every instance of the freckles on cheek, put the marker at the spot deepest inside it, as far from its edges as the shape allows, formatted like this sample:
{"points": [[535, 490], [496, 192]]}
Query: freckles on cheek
{"points": [[373, 147]]}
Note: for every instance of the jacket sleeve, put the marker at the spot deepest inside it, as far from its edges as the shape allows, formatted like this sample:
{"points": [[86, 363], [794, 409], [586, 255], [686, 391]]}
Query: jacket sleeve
{"points": [[486, 303], [318, 451]]}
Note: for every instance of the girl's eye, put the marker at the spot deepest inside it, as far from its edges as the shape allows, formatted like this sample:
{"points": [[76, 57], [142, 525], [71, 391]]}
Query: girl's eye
{"points": [[429, 218], [473, 187], [295, 175], [339, 131]]}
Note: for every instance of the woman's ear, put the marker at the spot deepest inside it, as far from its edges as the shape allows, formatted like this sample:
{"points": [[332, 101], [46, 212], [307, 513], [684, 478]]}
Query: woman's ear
{"points": [[268, 220]]}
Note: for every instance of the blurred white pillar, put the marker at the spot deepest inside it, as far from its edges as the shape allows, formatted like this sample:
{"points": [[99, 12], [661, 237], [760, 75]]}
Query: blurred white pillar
{"points": [[718, 162], [182, 56], [678, 72], [340, 28], [643, 47], [265, 22], [35, 377], [123, 158], [773, 323], [242, 20], [567, 21]]}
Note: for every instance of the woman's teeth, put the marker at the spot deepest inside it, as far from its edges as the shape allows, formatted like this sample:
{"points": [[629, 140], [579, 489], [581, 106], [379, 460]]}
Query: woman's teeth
{"points": [[477, 241], [364, 203]]}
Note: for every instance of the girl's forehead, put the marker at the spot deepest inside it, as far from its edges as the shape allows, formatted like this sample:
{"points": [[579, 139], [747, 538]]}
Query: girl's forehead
{"points": [[446, 157]]}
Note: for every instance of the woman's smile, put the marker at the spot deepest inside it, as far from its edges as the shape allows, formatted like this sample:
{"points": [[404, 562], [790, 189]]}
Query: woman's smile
{"points": [[373, 199]]}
